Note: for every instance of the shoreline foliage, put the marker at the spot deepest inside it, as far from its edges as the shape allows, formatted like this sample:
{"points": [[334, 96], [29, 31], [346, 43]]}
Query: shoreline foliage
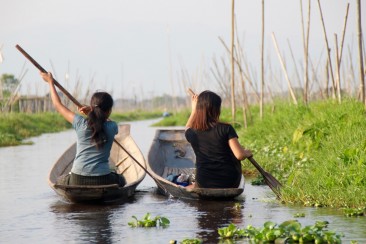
{"points": [[16, 127], [317, 151]]}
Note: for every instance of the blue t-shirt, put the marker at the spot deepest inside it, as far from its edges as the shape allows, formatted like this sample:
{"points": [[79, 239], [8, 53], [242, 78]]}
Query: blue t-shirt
{"points": [[89, 160]]}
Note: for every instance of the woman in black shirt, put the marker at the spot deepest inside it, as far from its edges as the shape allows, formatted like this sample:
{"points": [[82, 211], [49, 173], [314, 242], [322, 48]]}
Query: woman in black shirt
{"points": [[218, 151]]}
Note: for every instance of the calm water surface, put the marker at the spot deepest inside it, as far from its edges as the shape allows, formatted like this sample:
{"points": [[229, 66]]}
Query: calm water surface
{"points": [[31, 212]]}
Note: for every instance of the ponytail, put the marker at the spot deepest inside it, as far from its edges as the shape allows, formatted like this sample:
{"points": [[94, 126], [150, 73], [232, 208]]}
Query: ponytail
{"points": [[101, 103]]}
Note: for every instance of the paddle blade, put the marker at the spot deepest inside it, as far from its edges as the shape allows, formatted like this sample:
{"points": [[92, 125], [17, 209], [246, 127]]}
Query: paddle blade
{"points": [[273, 183], [270, 180]]}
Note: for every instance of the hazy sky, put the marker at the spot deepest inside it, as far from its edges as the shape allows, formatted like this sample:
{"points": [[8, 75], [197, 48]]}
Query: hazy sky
{"points": [[141, 46]]}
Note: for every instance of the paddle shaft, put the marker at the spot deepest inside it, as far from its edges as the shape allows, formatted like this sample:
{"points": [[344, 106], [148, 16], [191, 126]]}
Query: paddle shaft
{"points": [[40, 68], [191, 92], [77, 103]]}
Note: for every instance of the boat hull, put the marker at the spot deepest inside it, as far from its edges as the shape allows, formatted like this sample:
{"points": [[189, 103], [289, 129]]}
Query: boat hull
{"points": [[119, 161], [171, 153]]}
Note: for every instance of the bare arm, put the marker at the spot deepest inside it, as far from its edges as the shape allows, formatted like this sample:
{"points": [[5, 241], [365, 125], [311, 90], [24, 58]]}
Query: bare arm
{"points": [[194, 103], [64, 111], [239, 152]]}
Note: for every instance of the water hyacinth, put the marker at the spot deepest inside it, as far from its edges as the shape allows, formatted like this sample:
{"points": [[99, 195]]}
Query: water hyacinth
{"points": [[148, 221], [289, 231]]}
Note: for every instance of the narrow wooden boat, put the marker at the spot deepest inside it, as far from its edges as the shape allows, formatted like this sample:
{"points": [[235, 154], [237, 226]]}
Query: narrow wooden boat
{"points": [[171, 153], [119, 161]]}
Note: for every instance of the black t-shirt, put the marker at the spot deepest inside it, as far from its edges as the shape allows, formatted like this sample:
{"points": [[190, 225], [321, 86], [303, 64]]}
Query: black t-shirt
{"points": [[217, 166]]}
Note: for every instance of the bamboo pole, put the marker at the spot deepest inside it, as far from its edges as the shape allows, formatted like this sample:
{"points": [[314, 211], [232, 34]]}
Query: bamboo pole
{"points": [[337, 69], [304, 50], [338, 56], [262, 65], [343, 34], [307, 51], [284, 70], [305, 37], [352, 71], [328, 51], [360, 58], [233, 105], [327, 78]]}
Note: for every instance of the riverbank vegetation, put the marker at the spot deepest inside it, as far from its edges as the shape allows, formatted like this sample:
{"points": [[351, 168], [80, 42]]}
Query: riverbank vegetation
{"points": [[15, 127], [318, 151]]}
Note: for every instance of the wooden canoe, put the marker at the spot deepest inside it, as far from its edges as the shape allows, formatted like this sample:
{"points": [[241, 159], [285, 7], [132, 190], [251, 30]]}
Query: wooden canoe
{"points": [[119, 161], [171, 153]]}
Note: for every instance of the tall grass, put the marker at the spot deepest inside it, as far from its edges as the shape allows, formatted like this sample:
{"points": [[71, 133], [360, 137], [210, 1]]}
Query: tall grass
{"points": [[318, 151]]}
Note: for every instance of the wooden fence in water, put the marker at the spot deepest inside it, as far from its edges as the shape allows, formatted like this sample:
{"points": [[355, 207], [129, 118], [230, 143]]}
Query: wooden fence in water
{"points": [[28, 104]]}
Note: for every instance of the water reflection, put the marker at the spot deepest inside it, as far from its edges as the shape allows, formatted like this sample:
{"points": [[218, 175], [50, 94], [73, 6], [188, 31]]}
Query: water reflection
{"points": [[212, 215], [90, 223]]}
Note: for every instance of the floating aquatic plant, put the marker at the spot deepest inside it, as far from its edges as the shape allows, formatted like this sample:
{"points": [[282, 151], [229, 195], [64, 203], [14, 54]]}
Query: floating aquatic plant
{"points": [[354, 212], [299, 215], [289, 231], [148, 221]]}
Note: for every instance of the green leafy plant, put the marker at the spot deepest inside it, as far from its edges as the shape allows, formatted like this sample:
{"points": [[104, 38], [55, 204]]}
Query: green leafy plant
{"points": [[258, 181], [237, 206], [231, 232], [148, 221], [299, 215], [354, 212], [192, 241], [289, 231]]}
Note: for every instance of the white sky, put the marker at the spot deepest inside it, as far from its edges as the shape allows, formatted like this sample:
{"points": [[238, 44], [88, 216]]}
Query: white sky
{"points": [[125, 46]]}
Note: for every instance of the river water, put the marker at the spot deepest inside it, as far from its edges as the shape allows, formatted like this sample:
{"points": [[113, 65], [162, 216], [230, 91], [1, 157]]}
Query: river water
{"points": [[31, 212]]}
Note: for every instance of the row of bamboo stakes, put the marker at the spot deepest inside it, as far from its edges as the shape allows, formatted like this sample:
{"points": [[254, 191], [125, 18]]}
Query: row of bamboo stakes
{"points": [[244, 77], [239, 71], [336, 84]]}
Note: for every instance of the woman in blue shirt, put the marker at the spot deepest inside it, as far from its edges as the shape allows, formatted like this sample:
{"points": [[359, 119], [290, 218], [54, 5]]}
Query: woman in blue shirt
{"points": [[95, 136]]}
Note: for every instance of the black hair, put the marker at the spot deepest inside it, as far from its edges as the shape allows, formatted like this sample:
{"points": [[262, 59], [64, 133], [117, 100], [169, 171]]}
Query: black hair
{"points": [[208, 110], [101, 104]]}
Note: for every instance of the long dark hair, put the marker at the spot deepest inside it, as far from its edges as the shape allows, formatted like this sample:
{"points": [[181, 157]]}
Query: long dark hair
{"points": [[208, 109], [101, 104]]}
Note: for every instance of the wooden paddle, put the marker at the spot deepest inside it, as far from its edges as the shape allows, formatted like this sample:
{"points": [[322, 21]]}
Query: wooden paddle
{"points": [[77, 103], [270, 180]]}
